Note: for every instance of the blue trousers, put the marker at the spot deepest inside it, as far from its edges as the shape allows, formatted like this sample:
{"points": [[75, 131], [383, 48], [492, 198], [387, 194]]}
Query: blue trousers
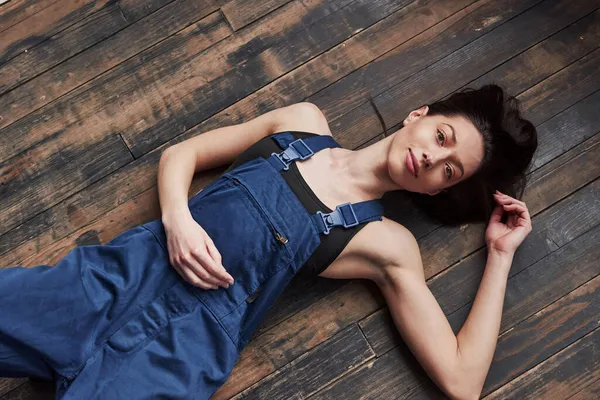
{"points": [[116, 321]]}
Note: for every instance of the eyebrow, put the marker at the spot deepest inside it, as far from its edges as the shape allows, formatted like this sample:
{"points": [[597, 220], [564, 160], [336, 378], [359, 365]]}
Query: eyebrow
{"points": [[460, 166]]}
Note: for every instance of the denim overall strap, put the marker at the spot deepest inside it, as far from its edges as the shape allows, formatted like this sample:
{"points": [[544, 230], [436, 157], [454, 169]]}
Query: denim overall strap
{"points": [[299, 149], [347, 214]]}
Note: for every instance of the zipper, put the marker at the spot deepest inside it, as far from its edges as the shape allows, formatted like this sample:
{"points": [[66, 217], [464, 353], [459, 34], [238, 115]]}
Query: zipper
{"points": [[278, 235]]}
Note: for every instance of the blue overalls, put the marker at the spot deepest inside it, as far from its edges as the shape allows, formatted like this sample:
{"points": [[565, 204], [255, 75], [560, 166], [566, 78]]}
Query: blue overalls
{"points": [[116, 321]]}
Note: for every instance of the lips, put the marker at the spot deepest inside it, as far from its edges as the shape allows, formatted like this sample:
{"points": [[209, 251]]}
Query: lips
{"points": [[411, 163], [415, 163]]}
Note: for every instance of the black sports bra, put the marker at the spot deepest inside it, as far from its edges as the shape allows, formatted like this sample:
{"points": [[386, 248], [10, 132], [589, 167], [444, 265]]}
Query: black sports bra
{"points": [[331, 245]]}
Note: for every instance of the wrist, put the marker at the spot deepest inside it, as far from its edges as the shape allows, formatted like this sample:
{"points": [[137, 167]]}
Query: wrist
{"points": [[170, 216], [499, 256]]}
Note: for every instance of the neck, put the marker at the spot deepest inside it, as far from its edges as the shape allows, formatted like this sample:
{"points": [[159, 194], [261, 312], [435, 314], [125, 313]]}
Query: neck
{"points": [[366, 169]]}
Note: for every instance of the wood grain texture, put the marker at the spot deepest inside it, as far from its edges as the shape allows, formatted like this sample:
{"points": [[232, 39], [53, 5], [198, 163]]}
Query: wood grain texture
{"points": [[106, 86]]}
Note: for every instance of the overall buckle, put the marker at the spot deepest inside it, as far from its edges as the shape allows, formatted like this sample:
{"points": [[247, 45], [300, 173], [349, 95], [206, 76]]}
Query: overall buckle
{"points": [[336, 218], [291, 153]]}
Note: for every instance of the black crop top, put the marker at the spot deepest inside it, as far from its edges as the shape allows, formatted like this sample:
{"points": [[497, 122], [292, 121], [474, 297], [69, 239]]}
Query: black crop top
{"points": [[331, 245]]}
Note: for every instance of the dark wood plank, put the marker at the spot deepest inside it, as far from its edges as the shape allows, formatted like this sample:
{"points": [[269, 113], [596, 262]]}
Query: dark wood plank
{"points": [[505, 41], [240, 13], [590, 392], [15, 11], [411, 57], [45, 23], [561, 375], [546, 279], [138, 40], [32, 390], [53, 169], [545, 58], [137, 9], [63, 45], [295, 336], [339, 354], [8, 384], [241, 79]]}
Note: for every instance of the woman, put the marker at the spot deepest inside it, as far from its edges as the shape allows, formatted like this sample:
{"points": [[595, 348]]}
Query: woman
{"points": [[165, 308]]}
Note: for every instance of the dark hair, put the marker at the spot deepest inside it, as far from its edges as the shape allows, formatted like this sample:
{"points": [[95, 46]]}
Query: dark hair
{"points": [[509, 144]]}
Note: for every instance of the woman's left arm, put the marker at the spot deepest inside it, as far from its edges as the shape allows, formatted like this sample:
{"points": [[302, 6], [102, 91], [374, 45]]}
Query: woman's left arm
{"points": [[478, 336], [457, 364]]}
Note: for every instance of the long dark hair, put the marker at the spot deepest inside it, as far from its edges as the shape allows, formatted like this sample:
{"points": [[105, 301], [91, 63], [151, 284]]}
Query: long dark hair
{"points": [[509, 144]]}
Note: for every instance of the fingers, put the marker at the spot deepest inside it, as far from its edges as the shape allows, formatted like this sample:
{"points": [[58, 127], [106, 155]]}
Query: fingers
{"points": [[209, 269], [511, 204], [221, 272], [191, 277], [497, 213]]}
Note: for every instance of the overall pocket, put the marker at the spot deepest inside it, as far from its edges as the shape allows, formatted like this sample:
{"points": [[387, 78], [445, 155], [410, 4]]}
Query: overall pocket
{"points": [[251, 246]]}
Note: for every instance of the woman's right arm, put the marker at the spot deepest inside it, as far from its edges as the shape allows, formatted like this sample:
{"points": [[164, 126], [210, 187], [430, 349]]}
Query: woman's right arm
{"points": [[191, 251]]}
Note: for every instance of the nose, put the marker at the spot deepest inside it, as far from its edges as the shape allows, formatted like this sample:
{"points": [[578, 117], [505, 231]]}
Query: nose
{"points": [[430, 158]]}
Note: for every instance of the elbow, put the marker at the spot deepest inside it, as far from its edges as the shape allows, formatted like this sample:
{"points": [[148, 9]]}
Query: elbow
{"points": [[463, 390]]}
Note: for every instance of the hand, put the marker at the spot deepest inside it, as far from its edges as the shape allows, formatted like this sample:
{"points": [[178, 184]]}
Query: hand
{"points": [[193, 254], [505, 238]]}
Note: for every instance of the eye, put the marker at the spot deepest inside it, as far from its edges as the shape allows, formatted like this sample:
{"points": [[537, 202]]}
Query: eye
{"points": [[441, 137], [449, 171]]}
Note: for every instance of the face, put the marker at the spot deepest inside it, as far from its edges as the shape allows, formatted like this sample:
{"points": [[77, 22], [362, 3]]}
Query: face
{"points": [[448, 150]]}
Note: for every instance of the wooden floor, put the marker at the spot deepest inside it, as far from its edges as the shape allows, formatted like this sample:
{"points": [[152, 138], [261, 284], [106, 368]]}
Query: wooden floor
{"points": [[91, 93]]}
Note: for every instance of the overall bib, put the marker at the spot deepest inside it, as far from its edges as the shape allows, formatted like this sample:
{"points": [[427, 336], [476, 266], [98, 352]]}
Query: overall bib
{"points": [[116, 321]]}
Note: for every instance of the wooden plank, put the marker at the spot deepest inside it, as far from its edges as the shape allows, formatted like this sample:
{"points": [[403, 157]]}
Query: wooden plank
{"points": [[43, 24], [561, 375], [32, 389], [50, 171], [8, 384], [538, 286], [61, 46], [192, 105], [294, 336], [413, 56], [339, 354], [574, 85], [566, 133], [545, 333], [135, 10], [143, 40], [133, 88], [590, 392], [17, 10], [240, 13], [545, 58], [505, 41]]}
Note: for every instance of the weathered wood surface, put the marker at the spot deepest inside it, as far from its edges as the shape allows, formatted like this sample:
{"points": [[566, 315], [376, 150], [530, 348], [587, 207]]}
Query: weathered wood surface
{"points": [[92, 92]]}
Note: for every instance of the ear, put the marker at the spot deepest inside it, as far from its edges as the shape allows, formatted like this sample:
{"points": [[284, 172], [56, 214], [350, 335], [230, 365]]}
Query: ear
{"points": [[416, 114]]}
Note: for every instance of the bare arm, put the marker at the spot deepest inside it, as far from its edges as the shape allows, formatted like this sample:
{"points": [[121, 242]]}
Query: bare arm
{"points": [[216, 148], [457, 364]]}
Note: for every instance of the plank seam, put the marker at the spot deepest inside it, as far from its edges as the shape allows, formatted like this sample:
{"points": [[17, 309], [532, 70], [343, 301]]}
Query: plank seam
{"points": [[574, 343], [127, 147]]}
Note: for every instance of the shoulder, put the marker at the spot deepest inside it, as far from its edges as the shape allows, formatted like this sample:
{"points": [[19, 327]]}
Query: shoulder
{"points": [[305, 117], [397, 244], [377, 252]]}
